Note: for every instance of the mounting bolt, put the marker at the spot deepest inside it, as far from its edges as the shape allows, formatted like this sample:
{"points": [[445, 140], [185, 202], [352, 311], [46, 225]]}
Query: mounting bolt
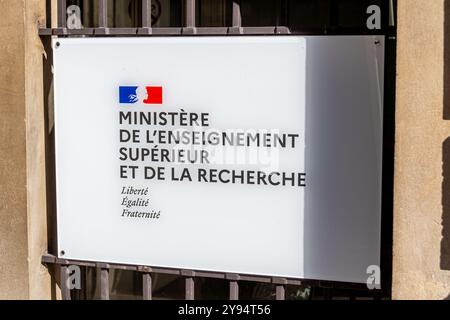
{"points": [[377, 42], [57, 44], [63, 252]]}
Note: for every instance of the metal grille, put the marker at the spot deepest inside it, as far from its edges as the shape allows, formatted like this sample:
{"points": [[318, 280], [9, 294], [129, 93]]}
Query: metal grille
{"points": [[287, 18], [188, 27], [146, 273], [189, 23]]}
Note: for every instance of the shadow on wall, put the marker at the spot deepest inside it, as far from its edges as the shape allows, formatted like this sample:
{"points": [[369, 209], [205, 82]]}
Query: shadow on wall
{"points": [[445, 241]]}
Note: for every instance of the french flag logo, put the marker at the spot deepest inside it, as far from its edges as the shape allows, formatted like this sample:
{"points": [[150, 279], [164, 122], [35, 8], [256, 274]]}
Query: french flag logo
{"points": [[135, 94]]}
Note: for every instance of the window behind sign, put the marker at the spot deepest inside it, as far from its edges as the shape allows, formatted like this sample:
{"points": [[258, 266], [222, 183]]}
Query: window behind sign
{"points": [[298, 15]]}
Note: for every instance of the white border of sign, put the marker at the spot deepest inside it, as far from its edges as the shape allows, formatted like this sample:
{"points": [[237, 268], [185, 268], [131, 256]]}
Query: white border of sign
{"points": [[340, 81]]}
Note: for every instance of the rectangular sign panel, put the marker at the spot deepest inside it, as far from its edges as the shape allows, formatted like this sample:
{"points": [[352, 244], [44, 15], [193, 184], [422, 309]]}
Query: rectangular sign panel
{"points": [[251, 155]]}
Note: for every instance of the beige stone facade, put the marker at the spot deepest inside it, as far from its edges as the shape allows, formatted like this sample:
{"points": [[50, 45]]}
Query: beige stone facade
{"points": [[23, 216], [421, 211]]}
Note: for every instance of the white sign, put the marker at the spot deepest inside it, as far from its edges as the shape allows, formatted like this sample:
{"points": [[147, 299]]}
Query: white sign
{"points": [[250, 155]]}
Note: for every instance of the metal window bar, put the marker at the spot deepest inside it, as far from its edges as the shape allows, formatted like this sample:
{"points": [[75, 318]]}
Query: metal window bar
{"points": [[147, 282], [189, 279], [104, 280], [62, 5], [234, 286], [146, 17], [102, 14], [64, 272], [189, 17]]}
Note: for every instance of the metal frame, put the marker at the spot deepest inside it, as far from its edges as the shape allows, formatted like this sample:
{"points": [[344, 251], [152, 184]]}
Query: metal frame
{"points": [[189, 28], [189, 276]]}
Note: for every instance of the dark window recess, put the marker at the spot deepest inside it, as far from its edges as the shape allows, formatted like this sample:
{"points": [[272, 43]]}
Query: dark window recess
{"points": [[259, 13], [308, 14], [214, 13], [318, 16], [128, 13], [351, 14], [331, 15]]}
